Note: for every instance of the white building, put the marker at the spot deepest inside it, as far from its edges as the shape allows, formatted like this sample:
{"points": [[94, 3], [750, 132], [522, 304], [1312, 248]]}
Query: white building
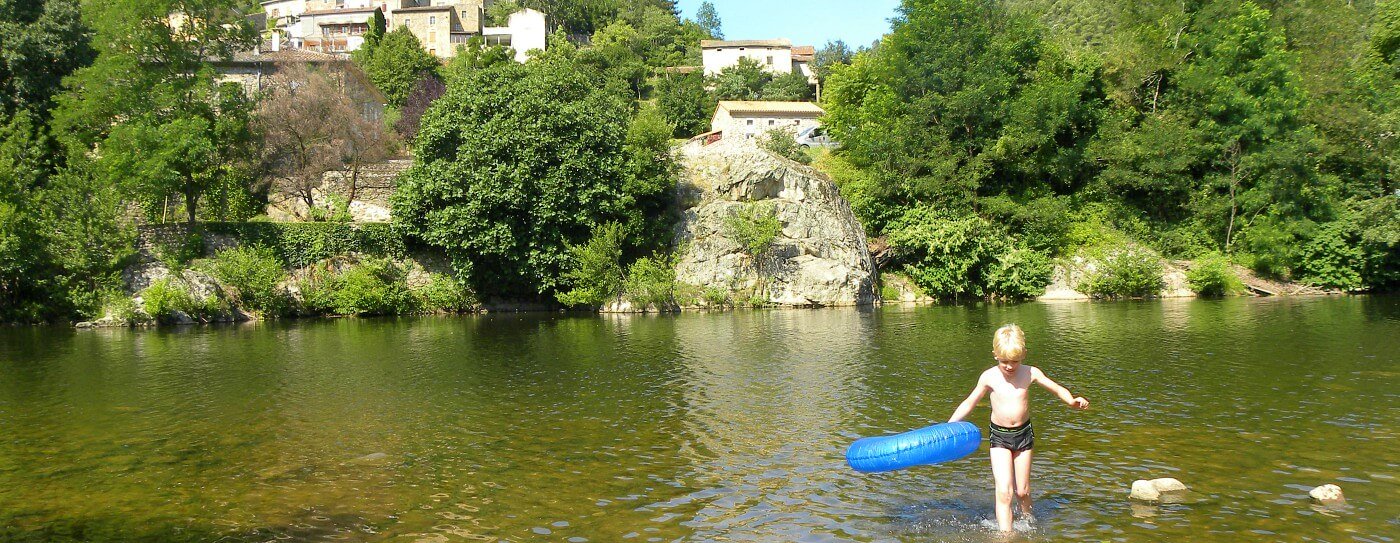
{"points": [[752, 118], [339, 26], [524, 32], [777, 56]]}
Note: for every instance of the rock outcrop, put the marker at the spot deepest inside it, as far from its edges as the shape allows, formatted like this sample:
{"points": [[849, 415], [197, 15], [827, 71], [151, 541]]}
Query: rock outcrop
{"points": [[820, 257]]}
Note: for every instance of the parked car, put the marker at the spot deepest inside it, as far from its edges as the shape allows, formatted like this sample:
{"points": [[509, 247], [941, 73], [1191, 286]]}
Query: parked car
{"points": [[816, 136]]}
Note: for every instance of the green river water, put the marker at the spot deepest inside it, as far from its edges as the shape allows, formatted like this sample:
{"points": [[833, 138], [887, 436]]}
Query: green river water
{"points": [[699, 427]]}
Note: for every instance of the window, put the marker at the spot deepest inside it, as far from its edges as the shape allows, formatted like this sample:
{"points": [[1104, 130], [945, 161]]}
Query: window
{"points": [[772, 122], [770, 60], [432, 20], [750, 122]]}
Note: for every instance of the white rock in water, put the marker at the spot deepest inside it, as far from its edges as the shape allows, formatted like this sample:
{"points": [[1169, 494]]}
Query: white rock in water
{"points": [[1327, 494], [1168, 484], [1151, 491], [1144, 491]]}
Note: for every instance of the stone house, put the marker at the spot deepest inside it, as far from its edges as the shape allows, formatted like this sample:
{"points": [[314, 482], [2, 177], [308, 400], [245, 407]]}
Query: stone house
{"points": [[752, 118], [339, 26], [777, 56]]}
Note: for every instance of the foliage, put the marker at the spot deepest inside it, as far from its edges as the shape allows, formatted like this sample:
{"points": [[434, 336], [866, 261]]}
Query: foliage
{"points": [[378, 26], [476, 55], [685, 103], [744, 80], [595, 273], [43, 42], [427, 91], [755, 226], [303, 244], [829, 56], [789, 87], [255, 274], [651, 282], [313, 124], [782, 143], [499, 12], [518, 162], [1126, 272], [446, 294], [708, 18], [1211, 275], [166, 298], [396, 64], [372, 287], [953, 257]]}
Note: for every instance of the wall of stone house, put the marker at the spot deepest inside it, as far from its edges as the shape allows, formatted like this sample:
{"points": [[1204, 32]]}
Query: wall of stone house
{"points": [[717, 59]]}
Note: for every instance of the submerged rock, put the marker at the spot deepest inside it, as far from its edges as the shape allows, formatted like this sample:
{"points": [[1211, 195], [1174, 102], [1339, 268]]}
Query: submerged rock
{"points": [[820, 257], [1327, 495], [1155, 489]]}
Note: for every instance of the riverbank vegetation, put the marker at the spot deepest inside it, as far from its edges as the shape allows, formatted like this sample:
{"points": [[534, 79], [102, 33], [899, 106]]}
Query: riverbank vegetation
{"points": [[983, 140], [1264, 132]]}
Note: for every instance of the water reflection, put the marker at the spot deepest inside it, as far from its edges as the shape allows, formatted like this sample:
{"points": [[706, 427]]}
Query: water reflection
{"points": [[699, 427]]}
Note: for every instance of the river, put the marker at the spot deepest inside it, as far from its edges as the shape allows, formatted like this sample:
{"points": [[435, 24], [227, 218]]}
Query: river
{"points": [[699, 427]]}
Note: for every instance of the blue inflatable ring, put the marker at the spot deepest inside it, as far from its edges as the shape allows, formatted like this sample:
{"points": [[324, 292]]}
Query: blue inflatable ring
{"points": [[931, 445]]}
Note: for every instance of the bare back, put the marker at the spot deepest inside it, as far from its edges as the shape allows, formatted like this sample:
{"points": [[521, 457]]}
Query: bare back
{"points": [[1010, 395]]}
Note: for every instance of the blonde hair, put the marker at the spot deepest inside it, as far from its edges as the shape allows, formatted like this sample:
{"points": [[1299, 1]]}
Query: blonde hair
{"points": [[1009, 343]]}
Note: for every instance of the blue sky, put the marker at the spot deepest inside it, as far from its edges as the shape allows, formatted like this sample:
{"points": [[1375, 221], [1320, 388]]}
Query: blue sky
{"points": [[805, 22]]}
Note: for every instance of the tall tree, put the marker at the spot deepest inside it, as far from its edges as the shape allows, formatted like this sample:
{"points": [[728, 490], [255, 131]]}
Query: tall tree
{"points": [[397, 64], [831, 54], [708, 18], [685, 103], [40, 43], [744, 80]]}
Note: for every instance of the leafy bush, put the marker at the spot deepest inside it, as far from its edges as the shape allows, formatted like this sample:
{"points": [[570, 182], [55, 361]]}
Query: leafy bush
{"points": [[717, 297], [596, 273], [1127, 272], [443, 293], [255, 273], [782, 143], [119, 306], [1211, 275], [1019, 274], [755, 226], [651, 281], [889, 293], [373, 287], [955, 257], [177, 252], [301, 244], [1042, 224], [164, 298]]}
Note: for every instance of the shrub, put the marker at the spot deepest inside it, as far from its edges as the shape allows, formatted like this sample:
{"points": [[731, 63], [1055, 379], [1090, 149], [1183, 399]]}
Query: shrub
{"points": [[1019, 274], [755, 226], [164, 298], [255, 273], [443, 293], [1128, 272], [302, 244], [651, 281], [889, 293], [782, 143], [118, 306], [717, 297], [374, 287], [178, 252], [596, 271], [1211, 275], [1042, 224], [953, 257]]}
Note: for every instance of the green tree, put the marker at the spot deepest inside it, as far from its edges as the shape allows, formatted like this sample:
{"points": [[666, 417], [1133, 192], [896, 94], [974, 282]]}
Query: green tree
{"points": [[789, 87], [397, 64], [744, 80], [831, 54], [40, 43], [708, 18], [516, 164], [685, 103], [378, 26]]}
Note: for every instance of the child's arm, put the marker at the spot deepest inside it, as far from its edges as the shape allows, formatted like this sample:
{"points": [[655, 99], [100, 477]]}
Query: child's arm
{"points": [[1045, 381], [966, 408]]}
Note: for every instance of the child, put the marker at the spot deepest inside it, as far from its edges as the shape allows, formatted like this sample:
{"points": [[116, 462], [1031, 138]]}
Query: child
{"points": [[1010, 432]]}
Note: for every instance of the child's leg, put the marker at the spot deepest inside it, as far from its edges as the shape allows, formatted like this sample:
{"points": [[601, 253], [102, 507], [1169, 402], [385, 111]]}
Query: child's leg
{"points": [[1003, 478], [1022, 462]]}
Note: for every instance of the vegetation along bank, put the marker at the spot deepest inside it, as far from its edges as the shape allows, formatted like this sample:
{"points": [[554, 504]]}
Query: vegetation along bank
{"points": [[989, 149]]}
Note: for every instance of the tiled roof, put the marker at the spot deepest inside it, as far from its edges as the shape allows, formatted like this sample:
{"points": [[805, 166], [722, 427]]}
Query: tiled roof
{"points": [[789, 108], [804, 50], [711, 44]]}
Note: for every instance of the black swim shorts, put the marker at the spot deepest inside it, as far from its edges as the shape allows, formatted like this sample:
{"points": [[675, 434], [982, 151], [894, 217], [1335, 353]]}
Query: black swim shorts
{"points": [[1020, 438]]}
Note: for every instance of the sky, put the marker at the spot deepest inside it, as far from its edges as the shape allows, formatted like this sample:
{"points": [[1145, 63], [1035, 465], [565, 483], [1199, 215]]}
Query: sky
{"points": [[805, 22]]}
